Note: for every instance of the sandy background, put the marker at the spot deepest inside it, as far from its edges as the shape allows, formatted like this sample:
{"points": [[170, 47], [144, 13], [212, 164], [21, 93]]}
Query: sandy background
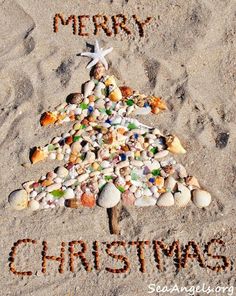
{"points": [[188, 56]]}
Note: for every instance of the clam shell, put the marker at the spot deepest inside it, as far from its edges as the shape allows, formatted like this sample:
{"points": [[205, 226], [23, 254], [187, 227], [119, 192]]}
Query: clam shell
{"points": [[61, 172], [99, 90], [48, 118], [37, 155], [201, 198], [192, 181], [128, 198], [174, 145], [166, 200], [18, 199], [115, 95], [88, 200], [182, 196], [110, 80], [170, 183], [69, 193], [88, 88], [109, 196], [33, 205]]}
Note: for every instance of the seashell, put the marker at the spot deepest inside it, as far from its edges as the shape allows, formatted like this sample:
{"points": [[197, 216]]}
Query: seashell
{"points": [[99, 90], [192, 181], [138, 193], [201, 198], [71, 203], [88, 200], [110, 80], [90, 157], [83, 177], [145, 201], [137, 163], [37, 155], [182, 196], [122, 164], [53, 187], [161, 154], [33, 205], [60, 156], [69, 193], [170, 183], [181, 170], [48, 118], [18, 199], [69, 183], [61, 202], [61, 172], [128, 198], [156, 102], [75, 98], [109, 196], [76, 147], [99, 71], [159, 182], [115, 94], [166, 200], [88, 88], [28, 186], [126, 91], [174, 145], [99, 104]]}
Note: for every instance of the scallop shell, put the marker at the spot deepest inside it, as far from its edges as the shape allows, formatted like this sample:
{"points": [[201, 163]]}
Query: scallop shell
{"points": [[88, 200], [170, 183], [126, 91], [18, 199], [128, 198], [33, 205], [166, 200], [48, 118], [182, 196], [174, 145], [201, 198], [88, 88], [37, 155]]}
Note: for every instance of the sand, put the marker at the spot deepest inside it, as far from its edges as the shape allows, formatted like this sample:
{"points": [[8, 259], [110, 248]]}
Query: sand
{"points": [[188, 57]]}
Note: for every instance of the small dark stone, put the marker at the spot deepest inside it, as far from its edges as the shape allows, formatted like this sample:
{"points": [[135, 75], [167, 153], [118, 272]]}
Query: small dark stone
{"points": [[222, 140]]}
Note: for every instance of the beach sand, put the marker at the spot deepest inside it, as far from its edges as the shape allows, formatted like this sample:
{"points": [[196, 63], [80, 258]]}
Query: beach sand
{"points": [[188, 57]]}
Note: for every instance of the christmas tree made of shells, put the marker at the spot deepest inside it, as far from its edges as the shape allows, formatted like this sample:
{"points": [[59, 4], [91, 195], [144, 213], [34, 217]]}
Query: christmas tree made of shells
{"points": [[112, 160]]}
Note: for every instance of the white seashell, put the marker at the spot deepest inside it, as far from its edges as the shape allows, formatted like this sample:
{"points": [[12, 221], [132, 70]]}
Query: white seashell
{"points": [[99, 104], [161, 154], [166, 200], [33, 205], [117, 120], [69, 193], [152, 165], [69, 183], [105, 164], [88, 88], [55, 140], [83, 177], [61, 202], [90, 157], [138, 193], [58, 180], [76, 147], [61, 172], [137, 163], [109, 196], [52, 187], [18, 199], [78, 111], [145, 201], [201, 198], [53, 155], [122, 164], [130, 110], [182, 196], [147, 192], [133, 188], [33, 194], [99, 90], [40, 196], [170, 183], [107, 171]]}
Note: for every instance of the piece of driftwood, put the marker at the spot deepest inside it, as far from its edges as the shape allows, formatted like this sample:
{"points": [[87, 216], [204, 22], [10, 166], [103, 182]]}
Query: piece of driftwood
{"points": [[114, 216]]}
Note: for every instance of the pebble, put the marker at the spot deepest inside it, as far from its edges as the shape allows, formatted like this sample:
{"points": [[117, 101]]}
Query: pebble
{"points": [[201, 198], [109, 196], [33, 205], [166, 200], [18, 199], [62, 172]]}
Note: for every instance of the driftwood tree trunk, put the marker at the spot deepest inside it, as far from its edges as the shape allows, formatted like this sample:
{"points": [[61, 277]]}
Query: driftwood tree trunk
{"points": [[114, 216]]}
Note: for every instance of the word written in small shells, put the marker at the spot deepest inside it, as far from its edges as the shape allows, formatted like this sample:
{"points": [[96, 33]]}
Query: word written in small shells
{"points": [[86, 25], [115, 256]]}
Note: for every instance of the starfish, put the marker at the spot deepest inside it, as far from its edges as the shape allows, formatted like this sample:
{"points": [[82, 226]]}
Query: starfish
{"points": [[98, 55]]}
